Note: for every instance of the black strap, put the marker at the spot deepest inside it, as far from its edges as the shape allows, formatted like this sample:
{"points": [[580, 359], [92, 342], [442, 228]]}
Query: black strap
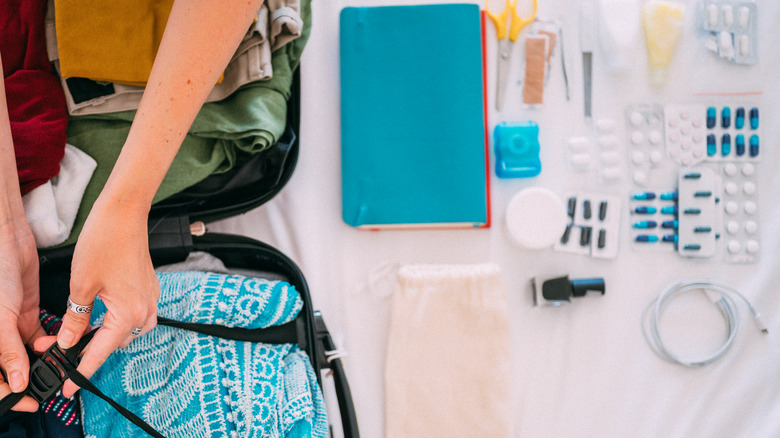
{"points": [[281, 334], [9, 401]]}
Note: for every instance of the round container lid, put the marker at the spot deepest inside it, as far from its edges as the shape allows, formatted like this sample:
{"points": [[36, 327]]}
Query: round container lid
{"points": [[536, 218]]}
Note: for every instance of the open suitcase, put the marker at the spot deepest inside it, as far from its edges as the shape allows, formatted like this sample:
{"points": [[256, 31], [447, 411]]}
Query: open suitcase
{"points": [[177, 228]]}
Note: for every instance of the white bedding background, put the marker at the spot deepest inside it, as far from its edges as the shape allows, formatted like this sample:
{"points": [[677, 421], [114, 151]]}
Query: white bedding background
{"points": [[583, 370]]}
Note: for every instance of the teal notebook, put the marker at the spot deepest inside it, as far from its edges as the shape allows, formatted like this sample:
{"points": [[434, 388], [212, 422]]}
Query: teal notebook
{"points": [[413, 139]]}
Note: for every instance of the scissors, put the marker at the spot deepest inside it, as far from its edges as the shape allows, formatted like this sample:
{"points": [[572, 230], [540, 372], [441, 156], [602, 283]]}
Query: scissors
{"points": [[505, 45]]}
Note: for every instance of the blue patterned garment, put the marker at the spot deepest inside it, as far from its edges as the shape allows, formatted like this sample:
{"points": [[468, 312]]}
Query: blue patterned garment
{"points": [[185, 384]]}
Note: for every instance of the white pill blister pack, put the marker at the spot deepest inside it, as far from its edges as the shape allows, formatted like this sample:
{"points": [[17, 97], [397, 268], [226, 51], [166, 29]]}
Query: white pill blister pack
{"points": [[731, 29]]}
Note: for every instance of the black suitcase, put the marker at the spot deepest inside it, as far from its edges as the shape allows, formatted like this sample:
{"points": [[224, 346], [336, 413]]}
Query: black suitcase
{"points": [[177, 228]]}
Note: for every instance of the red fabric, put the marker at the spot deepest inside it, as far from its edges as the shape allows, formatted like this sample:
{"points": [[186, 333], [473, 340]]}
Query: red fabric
{"points": [[36, 102]]}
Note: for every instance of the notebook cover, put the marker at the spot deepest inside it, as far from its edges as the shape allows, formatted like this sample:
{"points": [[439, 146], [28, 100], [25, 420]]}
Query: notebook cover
{"points": [[413, 117]]}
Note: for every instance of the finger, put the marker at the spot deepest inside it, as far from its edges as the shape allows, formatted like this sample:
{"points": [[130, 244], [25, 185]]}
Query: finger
{"points": [[101, 346], [13, 356], [26, 404], [43, 343], [74, 324], [150, 323]]}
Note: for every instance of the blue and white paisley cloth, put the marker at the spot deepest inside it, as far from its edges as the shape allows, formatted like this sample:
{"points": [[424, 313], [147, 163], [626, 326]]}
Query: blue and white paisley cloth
{"points": [[185, 384]]}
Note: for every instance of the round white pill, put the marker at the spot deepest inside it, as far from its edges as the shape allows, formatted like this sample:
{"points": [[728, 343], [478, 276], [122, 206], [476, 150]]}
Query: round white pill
{"points": [[697, 137], [656, 157], [732, 208], [748, 169], [697, 123], [730, 169], [637, 137], [750, 207], [732, 227], [698, 153], [636, 118], [731, 188], [686, 130], [673, 123], [734, 246], [684, 114], [674, 138], [638, 157], [655, 137], [751, 227], [640, 178], [749, 188], [752, 246], [686, 144], [686, 160]]}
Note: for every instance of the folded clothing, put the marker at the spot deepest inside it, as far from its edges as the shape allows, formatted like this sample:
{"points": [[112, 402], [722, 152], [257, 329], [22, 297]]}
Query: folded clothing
{"points": [[36, 102], [186, 384]]}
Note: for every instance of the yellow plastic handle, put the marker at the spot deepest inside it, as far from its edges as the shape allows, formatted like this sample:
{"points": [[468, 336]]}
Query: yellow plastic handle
{"points": [[518, 23], [500, 20]]}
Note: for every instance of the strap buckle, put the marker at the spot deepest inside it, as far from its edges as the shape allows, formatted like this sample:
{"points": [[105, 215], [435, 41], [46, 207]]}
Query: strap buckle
{"points": [[47, 374]]}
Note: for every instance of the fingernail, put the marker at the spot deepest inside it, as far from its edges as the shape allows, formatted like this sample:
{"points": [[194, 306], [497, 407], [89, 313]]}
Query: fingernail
{"points": [[16, 381], [66, 338]]}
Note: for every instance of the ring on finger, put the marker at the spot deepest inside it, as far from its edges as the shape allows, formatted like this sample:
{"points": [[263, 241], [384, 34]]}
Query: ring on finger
{"points": [[78, 308], [136, 331]]}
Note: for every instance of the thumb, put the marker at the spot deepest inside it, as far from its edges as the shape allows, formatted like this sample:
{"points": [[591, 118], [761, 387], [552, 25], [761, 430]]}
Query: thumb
{"points": [[13, 356], [74, 323]]}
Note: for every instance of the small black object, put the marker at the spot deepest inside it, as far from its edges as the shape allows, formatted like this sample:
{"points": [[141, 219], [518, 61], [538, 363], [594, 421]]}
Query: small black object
{"points": [[603, 210], [559, 290], [571, 207], [585, 235], [602, 238], [567, 233], [586, 210]]}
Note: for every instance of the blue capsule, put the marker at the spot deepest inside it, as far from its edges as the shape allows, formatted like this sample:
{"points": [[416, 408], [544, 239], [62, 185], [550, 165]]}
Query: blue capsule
{"points": [[725, 144], [692, 211], [669, 210], [643, 209], [702, 230], [740, 143], [702, 194], [644, 225], [754, 118], [725, 117], [644, 196], [753, 145], [739, 120], [669, 196], [646, 238], [692, 246], [670, 238], [712, 117], [712, 145], [670, 224]]}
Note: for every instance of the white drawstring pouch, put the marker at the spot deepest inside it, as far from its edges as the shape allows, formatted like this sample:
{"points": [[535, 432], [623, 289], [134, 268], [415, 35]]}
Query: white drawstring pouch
{"points": [[448, 357]]}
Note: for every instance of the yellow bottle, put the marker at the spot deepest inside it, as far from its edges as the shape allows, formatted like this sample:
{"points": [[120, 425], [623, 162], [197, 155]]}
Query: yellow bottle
{"points": [[663, 22]]}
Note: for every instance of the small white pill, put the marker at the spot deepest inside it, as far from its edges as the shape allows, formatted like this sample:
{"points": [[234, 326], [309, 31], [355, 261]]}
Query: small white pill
{"points": [[728, 15], [750, 207], [638, 157], [655, 137], [730, 169], [732, 208], [611, 173], [611, 157], [606, 126], [578, 144], [640, 178], [697, 137], [734, 246], [608, 142], [744, 17], [636, 118], [656, 157], [712, 16], [751, 227], [748, 169], [686, 129], [674, 138], [697, 123], [686, 160], [744, 45], [673, 123], [637, 137], [749, 188], [752, 246], [580, 161], [732, 227], [698, 153], [731, 188], [686, 144]]}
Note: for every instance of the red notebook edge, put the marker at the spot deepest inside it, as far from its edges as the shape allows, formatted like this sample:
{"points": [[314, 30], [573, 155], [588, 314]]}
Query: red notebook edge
{"points": [[485, 120]]}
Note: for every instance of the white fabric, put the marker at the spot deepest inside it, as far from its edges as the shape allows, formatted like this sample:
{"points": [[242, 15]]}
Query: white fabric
{"points": [[583, 370], [448, 354], [51, 208]]}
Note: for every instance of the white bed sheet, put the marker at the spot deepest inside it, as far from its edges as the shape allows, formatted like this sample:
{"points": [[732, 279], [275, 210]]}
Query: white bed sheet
{"points": [[583, 370]]}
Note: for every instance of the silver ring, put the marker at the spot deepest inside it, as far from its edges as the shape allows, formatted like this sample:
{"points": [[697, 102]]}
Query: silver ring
{"points": [[78, 308], [136, 332]]}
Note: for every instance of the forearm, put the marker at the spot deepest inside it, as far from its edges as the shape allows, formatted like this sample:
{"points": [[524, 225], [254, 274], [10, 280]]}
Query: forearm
{"points": [[199, 40], [11, 197]]}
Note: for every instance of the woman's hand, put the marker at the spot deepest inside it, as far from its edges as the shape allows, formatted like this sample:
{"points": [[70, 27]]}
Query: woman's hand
{"points": [[19, 323], [111, 260]]}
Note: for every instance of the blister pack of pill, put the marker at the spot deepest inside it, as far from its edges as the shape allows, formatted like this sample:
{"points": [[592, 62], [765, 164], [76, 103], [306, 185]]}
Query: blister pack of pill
{"points": [[732, 133], [599, 155], [698, 212], [740, 212], [646, 142], [685, 133], [594, 225], [731, 27], [653, 219]]}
